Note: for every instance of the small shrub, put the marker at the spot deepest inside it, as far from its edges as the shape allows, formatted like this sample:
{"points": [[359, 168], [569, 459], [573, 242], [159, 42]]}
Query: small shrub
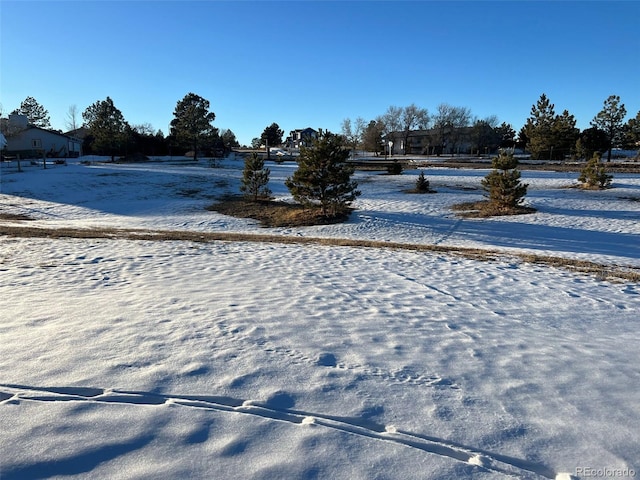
{"points": [[255, 178], [422, 184], [395, 168], [503, 186], [594, 175]]}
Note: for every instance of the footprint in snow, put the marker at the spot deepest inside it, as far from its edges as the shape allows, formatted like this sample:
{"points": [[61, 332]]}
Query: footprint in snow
{"points": [[327, 360], [279, 407]]}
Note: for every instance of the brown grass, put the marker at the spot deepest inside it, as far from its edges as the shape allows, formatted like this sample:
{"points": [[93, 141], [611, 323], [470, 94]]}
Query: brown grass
{"points": [[15, 217], [600, 271], [419, 192], [275, 214], [485, 209], [586, 186]]}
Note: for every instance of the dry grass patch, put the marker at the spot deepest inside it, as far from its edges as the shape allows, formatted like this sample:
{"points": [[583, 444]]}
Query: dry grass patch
{"points": [[485, 209], [271, 213], [600, 271], [419, 192], [586, 186], [16, 217]]}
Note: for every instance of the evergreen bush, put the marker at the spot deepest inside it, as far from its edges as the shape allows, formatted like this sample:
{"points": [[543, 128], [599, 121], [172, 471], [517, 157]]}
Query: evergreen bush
{"points": [[323, 177], [594, 174], [255, 178], [503, 186], [394, 168], [422, 184]]}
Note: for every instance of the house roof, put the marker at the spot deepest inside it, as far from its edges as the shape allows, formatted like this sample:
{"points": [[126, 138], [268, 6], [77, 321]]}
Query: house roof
{"points": [[78, 133], [427, 132], [308, 129], [52, 132]]}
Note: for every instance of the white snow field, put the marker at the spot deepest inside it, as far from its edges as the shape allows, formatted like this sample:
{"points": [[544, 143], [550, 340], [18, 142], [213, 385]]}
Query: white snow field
{"points": [[143, 359]]}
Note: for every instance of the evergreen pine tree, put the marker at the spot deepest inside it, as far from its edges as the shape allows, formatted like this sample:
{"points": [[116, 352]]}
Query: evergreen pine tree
{"points": [[192, 122], [549, 136], [323, 176], [610, 120], [539, 128], [631, 134], [565, 136], [503, 186], [394, 168], [272, 135], [36, 114], [422, 184], [592, 140], [107, 127], [255, 178], [594, 174]]}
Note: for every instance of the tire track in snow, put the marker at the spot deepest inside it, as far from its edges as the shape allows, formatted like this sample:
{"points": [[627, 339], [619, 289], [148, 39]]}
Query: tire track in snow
{"points": [[494, 462]]}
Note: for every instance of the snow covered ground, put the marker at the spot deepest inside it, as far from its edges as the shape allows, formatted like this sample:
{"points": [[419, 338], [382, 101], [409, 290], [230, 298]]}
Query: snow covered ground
{"points": [[173, 359]]}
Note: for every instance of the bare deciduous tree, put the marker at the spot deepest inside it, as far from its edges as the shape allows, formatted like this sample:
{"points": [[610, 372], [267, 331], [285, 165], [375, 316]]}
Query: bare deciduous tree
{"points": [[402, 120], [449, 123], [353, 132], [412, 118], [144, 129], [71, 120]]}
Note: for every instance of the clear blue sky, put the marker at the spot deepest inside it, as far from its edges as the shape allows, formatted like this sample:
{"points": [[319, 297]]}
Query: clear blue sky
{"points": [[313, 63]]}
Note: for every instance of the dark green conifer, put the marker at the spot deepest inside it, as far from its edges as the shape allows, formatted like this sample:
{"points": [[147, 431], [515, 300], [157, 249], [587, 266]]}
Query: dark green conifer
{"points": [[422, 184], [594, 174], [255, 178], [503, 186], [323, 177]]}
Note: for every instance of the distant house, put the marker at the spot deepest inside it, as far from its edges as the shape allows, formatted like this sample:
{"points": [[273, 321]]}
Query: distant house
{"points": [[301, 138], [79, 133], [30, 141], [434, 141]]}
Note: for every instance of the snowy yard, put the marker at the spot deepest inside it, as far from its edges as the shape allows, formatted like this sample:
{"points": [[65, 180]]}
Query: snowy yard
{"points": [[175, 359]]}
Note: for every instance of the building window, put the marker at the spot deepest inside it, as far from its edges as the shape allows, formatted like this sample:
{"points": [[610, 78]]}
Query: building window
{"points": [[36, 143]]}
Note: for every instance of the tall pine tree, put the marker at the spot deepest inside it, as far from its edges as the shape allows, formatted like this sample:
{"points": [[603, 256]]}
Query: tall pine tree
{"points": [[107, 127], [550, 136], [539, 128], [610, 120], [564, 136], [272, 135], [36, 114], [192, 121], [631, 135]]}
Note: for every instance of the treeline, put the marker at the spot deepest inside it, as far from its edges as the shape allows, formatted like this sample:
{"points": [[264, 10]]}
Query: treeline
{"points": [[408, 130], [450, 129], [105, 131]]}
